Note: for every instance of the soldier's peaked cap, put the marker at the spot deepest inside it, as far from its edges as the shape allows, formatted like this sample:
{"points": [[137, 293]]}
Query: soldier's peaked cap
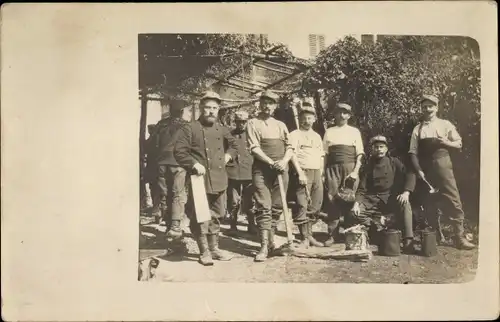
{"points": [[431, 98], [210, 95], [343, 106], [271, 95], [307, 109], [378, 139], [241, 116]]}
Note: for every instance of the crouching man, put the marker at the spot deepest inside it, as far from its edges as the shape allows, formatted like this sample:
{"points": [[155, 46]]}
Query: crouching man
{"points": [[384, 190], [200, 150]]}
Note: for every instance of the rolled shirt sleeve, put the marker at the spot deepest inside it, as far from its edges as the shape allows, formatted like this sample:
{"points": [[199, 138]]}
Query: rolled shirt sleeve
{"points": [[414, 142], [358, 143], [453, 134], [253, 135], [286, 138]]}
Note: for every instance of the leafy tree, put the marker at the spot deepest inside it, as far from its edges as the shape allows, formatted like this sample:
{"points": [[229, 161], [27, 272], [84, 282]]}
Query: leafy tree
{"points": [[383, 83]]}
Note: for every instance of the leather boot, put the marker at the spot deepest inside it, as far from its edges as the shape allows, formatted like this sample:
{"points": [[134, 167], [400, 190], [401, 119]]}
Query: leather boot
{"points": [[304, 235], [272, 245], [312, 240], [205, 256], [252, 227], [332, 227], [213, 245], [264, 244], [175, 231], [460, 241]]}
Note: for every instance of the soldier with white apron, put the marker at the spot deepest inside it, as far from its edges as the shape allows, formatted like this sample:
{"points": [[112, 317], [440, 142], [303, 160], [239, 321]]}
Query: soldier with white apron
{"points": [[429, 144], [344, 153]]}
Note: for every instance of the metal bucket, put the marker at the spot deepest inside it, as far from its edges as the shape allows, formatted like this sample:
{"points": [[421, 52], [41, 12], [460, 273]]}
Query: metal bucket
{"points": [[390, 243], [429, 243]]}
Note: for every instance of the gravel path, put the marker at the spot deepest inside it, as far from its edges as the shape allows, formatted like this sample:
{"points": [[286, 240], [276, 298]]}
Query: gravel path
{"points": [[449, 266]]}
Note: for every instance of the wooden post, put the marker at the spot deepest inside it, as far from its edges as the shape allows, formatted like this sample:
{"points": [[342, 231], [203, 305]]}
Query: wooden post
{"points": [[142, 141]]}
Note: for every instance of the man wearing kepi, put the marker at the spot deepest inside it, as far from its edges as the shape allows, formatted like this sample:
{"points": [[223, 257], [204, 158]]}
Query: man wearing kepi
{"points": [[268, 142], [308, 162], [239, 171], [200, 150], [344, 152], [384, 190], [429, 144]]}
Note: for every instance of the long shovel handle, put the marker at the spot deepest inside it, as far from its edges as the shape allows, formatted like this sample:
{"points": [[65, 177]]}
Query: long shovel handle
{"points": [[286, 213]]}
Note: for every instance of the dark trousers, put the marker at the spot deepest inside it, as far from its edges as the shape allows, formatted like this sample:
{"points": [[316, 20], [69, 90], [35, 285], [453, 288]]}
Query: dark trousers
{"points": [[440, 175], [267, 195], [335, 176], [372, 208], [307, 209], [172, 187], [239, 192], [217, 206]]}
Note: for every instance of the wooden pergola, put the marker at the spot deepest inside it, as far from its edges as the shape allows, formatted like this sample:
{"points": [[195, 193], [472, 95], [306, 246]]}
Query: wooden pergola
{"points": [[284, 72]]}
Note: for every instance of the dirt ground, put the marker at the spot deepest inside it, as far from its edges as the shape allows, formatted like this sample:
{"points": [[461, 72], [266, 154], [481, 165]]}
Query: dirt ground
{"points": [[449, 266]]}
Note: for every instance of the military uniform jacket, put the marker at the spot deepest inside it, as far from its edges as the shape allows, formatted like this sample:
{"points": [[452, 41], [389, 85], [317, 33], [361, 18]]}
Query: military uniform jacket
{"points": [[197, 143], [167, 137], [241, 167], [382, 179]]}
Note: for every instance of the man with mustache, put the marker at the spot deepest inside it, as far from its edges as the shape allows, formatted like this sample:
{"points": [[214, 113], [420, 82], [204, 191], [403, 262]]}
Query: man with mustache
{"points": [[384, 190], [344, 153], [201, 150], [429, 145], [308, 162], [239, 171], [267, 140]]}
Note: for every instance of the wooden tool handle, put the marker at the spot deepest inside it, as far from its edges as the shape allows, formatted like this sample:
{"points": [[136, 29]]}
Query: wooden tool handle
{"points": [[286, 213]]}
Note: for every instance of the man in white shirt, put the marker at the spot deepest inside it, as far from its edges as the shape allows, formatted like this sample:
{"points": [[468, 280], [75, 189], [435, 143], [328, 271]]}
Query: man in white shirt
{"points": [[308, 162], [344, 153], [429, 144]]}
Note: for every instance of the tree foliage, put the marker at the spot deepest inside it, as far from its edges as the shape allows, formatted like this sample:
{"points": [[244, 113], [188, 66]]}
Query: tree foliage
{"points": [[383, 82]]}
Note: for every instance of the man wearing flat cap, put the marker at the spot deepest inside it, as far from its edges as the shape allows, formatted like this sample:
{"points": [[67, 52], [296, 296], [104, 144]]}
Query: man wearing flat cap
{"points": [[308, 162], [429, 145], [239, 171], [203, 148], [344, 154], [268, 141], [384, 190]]}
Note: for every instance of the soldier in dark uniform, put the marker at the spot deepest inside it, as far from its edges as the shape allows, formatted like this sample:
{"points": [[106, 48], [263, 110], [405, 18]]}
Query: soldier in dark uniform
{"points": [[239, 171], [200, 149], [384, 190], [171, 176], [268, 141], [429, 144]]}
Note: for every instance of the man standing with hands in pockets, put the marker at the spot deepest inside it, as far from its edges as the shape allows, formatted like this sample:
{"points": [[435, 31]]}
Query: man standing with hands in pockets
{"points": [[200, 150]]}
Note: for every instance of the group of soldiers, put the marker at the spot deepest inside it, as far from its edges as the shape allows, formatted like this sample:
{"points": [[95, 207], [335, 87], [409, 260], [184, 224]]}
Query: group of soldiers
{"points": [[331, 179]]}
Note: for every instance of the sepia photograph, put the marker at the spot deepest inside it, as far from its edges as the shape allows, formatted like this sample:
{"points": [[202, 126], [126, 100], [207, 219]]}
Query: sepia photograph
{"points": [[264, 161], [331, 158]]}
